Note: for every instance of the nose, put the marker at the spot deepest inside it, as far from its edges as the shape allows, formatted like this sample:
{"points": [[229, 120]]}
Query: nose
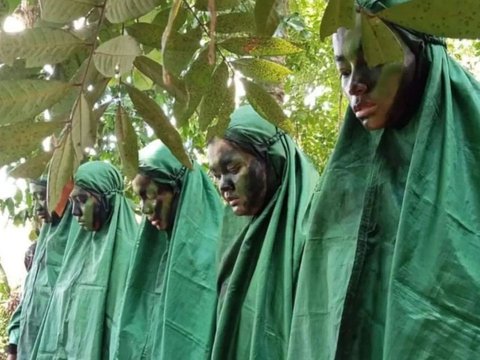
{"points": [[357, 87], [147, 208], [226, 183], [76, 211]]}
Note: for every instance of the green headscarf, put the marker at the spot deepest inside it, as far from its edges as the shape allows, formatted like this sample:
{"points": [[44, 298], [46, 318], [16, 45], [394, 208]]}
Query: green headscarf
{"points": [[258, 271], [170, 302], [84, 306], [391, 266], [41, 279]]}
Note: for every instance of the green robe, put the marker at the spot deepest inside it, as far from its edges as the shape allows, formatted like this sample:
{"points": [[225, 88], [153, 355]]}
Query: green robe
{"points": [[170, 302], [41, 280], [84, 306], [259, 263], [392, 265]]}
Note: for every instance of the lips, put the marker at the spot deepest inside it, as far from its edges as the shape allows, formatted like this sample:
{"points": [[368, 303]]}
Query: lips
{"points": [[364, 109], [231, 200]]}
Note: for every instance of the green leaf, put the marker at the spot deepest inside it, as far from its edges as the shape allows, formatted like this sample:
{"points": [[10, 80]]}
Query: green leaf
{"points": [[127, 143], [221, 121], [83, 130], [179, 50], [220, 5], [62, 167], [33, 168], [237, 22], [147, 34], [64, 11], [39, 46], [158, 121], [20, 139], [197, 80], [339, 13], [23, 99], [446, 18], [261, 70], [264, 104], [213, 99], [18, 71], [267, 16], [258, 46], [116, 55], [118, 11], [380, 45]]}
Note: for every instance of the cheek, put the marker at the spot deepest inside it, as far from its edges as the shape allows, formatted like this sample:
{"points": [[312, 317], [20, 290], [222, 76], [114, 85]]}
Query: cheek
{"points": [[388, 81]]}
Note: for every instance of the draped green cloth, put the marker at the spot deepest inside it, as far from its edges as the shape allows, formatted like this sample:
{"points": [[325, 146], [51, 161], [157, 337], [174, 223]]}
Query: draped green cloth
{"points": [[83, 310], [170, 301], [391, 267], [40, 281], [259, 263]]}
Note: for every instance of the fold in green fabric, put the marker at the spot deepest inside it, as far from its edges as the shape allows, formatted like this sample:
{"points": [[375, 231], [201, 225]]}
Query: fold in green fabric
{"points": [[170, 301], [83, 310], [41, 280], [391, 267], [259, 263]]}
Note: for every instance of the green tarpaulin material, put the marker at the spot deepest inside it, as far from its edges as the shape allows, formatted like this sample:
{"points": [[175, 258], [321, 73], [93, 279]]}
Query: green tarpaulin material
{"points": [[170, 302], [391, 268], [259, 267], [40, 281], [83, 310]]}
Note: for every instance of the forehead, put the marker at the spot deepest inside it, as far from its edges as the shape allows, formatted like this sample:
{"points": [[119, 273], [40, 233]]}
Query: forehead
{"points": [[78, 191], [222, 151], [143, 182], [346, 43]]}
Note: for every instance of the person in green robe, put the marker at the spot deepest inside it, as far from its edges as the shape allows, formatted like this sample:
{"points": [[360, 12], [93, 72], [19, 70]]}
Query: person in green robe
{"points": [[26, 321], [84, 306], [391, 267], [267, 182], [170, 301]]}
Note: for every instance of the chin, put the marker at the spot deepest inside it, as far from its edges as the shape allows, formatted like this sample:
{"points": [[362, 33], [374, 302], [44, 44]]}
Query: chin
{"points": [[373, 124]]}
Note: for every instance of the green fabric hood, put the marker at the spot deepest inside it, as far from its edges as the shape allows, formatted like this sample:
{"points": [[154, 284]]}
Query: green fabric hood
{"points": [[259, 261], [390, 268], [170, 301], [83, 313]]}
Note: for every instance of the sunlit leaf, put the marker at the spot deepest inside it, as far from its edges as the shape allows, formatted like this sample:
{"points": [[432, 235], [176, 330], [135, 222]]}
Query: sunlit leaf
{"points": [[339, 13], [261, 70], [20, 139], [127, 143], [267, 16], [116, 55], [39, 46], [61, 170], [83, 135], [158, 121], [237, 22], [33, 167], [213, 99], [264, 103], [118, 11], [444, 18], [23, 99], [380, 45], [259, 46], [219, 4], [63, 11]]}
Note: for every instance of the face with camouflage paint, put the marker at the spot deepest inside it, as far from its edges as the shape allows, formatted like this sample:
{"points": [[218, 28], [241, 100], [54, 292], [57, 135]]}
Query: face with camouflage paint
{"points": [[377, 95], [39, 193], [87, 208], [241, 177], [157, 201]]}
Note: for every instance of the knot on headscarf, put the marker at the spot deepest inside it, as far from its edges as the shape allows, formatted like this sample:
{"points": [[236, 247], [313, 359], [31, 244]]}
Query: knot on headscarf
{"points": [[99, 177], [251, 132], [157, 162]]}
